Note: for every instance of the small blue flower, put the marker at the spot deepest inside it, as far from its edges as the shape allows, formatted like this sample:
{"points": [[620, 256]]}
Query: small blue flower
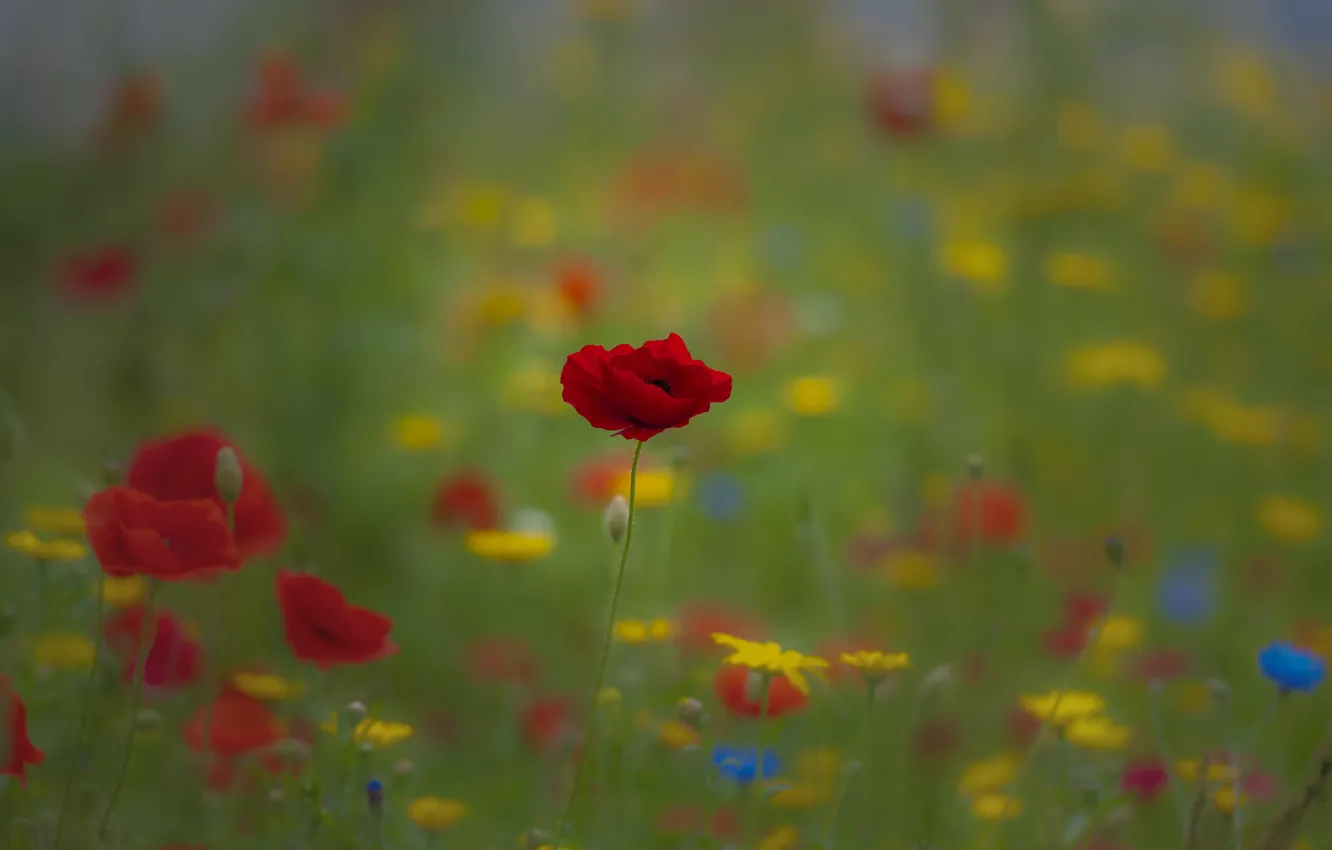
{"points": [[721, 496], [374, 793], [1187, 594], [1291, 668], [739, 764]]}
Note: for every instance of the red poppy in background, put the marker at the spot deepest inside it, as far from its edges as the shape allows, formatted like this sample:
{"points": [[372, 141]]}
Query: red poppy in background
{"points": [[501, 659], [99, 275], [466, 500], [640, 392], [134, 111], [21, 751], [185, 216], [936, 738], [687, 819], [252, 772], [547, 722], [579, 285], [322, 628], [175, 658], [1065, 642], [699, 620], [1145, 779], [134, 534], [183, 467], [1161, 664], [733, 687], [666, 180], [902, 103], [282, 99], [236, 723], [1083, 609], [1022, 726], [989, 512]]}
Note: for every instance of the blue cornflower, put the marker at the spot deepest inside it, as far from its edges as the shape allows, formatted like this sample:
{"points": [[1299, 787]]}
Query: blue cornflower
{"points": [[1187, 594], [374, 794], [721, 496], [1292, 668], [740, 764]]}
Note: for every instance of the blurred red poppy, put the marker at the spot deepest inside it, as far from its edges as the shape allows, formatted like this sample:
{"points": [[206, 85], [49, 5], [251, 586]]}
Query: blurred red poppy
{"points": [[579, 285], [901, 103], [547, 722], [282, 99], [989, 512], [131, 533], [185, 216], [637, 393], [700, 619], [740, 697], [175, 658], [1083, 609], [21, 751], [669, 180], [1145, 779], [134, 110], [687, 819], [1064, 642], [252, 772], [182, 467], [501, 659], [322, 628], [99, 275], [936, 738], [1022, 727], [236, 723], [467, 499], [1161, 664]]}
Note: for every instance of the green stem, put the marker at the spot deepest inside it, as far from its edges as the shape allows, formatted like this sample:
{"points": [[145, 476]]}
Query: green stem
{"points": [[1163, 751], [605, 649], [755, 814], [147, 634], [83, 716], [830, 824], [216, 629]]}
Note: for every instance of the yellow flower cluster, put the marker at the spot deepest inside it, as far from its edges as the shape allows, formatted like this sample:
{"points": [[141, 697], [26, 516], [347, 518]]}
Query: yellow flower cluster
{"points": [[770, 658], [267, 686], [644, 631], [59, 549], [1078, 716], [433, 814], [515, 547], [1111, 363]]}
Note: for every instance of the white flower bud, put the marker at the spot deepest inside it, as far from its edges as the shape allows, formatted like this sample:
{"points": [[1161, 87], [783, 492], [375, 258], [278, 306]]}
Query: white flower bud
{"points": [[615, 519], [356, 708]]}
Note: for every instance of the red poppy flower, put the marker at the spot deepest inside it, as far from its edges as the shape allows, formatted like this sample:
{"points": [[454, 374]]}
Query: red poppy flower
{"points": [[579, 285], [902, 103], [21, 750], [236, 723], [1065, 642], [1022, 727], [322, 628], [99, 275], [989, 511], [699, 620], [737, 693], [252, 772], [134, 110], [1145, 779], [175, 658], [687, 819], [500, 659], [1083, 609], [282, 99], [467, 500], [134, 534], [640, 392], [547, 722], [1161, 664], [182, 467]]}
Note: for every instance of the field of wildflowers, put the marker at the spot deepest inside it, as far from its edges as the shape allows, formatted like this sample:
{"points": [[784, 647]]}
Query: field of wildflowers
{"points": [[673, 432]]}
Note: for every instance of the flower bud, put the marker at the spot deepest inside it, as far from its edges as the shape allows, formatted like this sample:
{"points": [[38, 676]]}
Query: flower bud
{"points": [[1219, 690], [535, 838], [227, 475], [936, 681], [365, 748], [610, 699], [276, 796], [403, 767], [615, 519], [975, 466], [356, 708], [147, 720], [113, 472], [1114, 550], [690, 711]]}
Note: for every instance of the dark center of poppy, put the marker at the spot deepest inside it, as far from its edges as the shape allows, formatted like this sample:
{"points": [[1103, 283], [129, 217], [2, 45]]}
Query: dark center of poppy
{"points": [[658, 382]]}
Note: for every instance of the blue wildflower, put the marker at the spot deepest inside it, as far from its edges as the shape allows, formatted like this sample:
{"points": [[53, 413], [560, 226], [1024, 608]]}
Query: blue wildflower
{"points": [[721, 496], [1291, 668], [1187, 594], [374, 794], [740, 764]]}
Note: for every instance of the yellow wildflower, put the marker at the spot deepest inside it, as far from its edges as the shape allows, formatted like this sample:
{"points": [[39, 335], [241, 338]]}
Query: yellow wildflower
{"points": [[780, 838], [1063, 707], [991, 775], [1200, 185], [420, 433], [1148, 147], [1097, 733], [1194, 697], [433, 814], [61, 651], [1105, 364], [1078, 271], [534, 223], [770, 658], [644, 631], [981, 263], [656, 487], [59, 549], [910, 569], [268, 686], [678, 735], [1116, 633], [381, 733], [952, 99], [1224, 798], [1188, 770], [1290, 520], [500, 303], [124, 592], [54, 520], [995, 807], [815, 395], [817, 771], [1217, 296], [512, 546], [755, 432], [480, 206], [870, 662], [1245, 85]]}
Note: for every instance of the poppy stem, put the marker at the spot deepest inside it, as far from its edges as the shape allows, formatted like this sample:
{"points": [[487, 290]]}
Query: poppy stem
{"points": [[147, 635], [83, 716], [1163, 750], [216, 627], [605, 651], [755, 813]]}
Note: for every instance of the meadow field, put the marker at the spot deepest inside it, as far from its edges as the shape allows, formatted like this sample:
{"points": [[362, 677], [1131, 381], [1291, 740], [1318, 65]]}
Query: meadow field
{"points": [[665, 425]]}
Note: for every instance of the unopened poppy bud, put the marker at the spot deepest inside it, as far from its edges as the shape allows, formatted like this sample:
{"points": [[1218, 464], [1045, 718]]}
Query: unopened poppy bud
{"points": [[1219, 690], [365, 748], [276, 796], [147, 720], [680, 457], [227, 475], [356, 708], [754, 684], [690, 711], [935, 681], [975, 466], [535, 838], [403, 767], [610, 698], [113, 473], [615, 519], [1114, 550]]}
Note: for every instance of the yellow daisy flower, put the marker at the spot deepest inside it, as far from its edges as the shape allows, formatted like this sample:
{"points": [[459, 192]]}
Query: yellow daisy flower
{"points": [[267, 686], [124, 592], [995, 807], [1078, 271], [1097, 733], [63, 651], [1224, 798], [1063, 707], [1189, 769], [1290, 520], [1107, 364], [55, 520], [379, 733], [983, 264], [990, 775], [655, 487], [644, 631], [1117, 633], [534, 223], [512, 546], [910, 569], [420, 433], [434, 814], [814, 395], [770, 658], [45, 550], [678, 735], [869, 662]]}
